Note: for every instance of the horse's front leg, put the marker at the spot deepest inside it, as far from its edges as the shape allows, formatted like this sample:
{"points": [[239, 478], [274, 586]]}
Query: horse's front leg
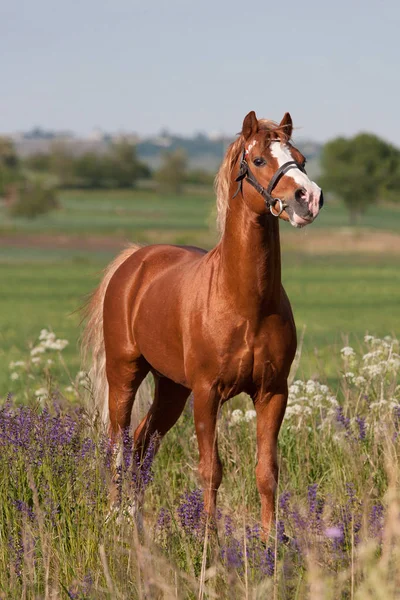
{"points": [[270, 410], [206, 407]]}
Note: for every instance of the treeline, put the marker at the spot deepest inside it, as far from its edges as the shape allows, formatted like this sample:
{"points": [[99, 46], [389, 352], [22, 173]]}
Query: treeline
{"points": [[360, 171], [28, 186], [118, 168]]}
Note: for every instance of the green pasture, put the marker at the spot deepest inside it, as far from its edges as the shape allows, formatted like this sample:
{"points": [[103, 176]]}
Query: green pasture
{"points": [[334, 298], [144, 215]]}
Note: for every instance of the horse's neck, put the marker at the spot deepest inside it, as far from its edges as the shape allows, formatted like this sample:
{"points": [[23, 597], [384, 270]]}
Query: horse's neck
{"points": [[250, 259]]}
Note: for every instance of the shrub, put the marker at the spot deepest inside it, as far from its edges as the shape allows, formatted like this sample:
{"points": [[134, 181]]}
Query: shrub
{"points": [[32, 199]]}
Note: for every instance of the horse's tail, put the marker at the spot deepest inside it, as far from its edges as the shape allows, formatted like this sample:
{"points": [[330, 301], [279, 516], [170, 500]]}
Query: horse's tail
{"points": [[93, 337]]}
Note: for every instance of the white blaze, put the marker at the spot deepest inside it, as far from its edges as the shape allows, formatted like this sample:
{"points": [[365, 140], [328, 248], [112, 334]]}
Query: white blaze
{"points": [[283, 155]]}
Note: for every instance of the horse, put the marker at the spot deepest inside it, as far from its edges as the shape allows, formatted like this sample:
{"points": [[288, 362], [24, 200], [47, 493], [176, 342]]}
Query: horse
{"points": [[214, 323]]}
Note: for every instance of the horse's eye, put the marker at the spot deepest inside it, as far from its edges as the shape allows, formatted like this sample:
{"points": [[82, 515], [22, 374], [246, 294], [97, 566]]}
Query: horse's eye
{"points": [[259, 161]]}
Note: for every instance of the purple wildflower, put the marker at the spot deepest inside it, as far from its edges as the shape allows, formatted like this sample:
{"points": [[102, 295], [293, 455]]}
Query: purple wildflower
{"points": [[24, 508], [142, 473], [342, 420], [362, 429], [376, 519], [284, 502], [191, 512], [281, 535], [232, 554], [164, 520], [268, 565]]}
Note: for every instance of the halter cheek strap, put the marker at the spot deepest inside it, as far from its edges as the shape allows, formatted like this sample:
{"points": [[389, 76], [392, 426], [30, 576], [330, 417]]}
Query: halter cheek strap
{"points": [[245, 173]]}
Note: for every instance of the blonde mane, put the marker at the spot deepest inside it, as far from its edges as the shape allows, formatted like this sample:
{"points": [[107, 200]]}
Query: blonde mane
{"points": [[224, 175]]}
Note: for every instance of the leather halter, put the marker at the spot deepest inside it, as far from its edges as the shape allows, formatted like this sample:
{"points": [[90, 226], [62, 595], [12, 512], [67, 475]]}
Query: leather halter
{"points": [[245, 173]]}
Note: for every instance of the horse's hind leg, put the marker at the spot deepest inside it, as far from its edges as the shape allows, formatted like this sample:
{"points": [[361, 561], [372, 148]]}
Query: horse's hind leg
{"points": [[169, 402], [124, 378]]}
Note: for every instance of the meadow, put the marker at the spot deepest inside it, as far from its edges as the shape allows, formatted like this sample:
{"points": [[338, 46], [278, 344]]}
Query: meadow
{"points": [[337, 533]]}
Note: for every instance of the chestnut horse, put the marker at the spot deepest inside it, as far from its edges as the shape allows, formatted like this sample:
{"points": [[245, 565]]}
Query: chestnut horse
{"points": [[216, 323]]}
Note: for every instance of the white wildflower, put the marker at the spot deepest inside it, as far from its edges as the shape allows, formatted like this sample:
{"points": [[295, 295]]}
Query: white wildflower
{"points": [[59, 345], [35, 360], [374, 370], [236, 416], [295, 409], [44, 334], [42, 394], [347, 351], [14, 376], [37, 350], [368, 338], [69, 389], [359, 381], [310, 386], [249, 415], [17, 363]]}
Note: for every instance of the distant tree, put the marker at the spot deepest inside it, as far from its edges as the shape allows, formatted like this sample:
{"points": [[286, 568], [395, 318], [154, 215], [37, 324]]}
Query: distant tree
{"points": [[360, 170], [38, 162], [61, 164], [125, 168], [9, 165], [91, 170], [171, 176], [8, 155], [31, 199], [200, 177]]}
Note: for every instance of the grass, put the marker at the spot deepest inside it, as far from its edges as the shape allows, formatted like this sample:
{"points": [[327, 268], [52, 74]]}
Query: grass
{"points": [[331, 297], [128, 213], [337, 530]]}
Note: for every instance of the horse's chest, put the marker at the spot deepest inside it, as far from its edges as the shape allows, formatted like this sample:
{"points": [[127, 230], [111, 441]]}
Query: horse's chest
{"points": [[254, 360]]}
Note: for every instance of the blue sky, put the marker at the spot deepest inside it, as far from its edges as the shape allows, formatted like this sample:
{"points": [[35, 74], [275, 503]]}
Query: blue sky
{"points": [[142, 66]]}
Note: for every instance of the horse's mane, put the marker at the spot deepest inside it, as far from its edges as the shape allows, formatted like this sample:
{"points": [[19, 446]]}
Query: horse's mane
{"points": [[224, 175]]}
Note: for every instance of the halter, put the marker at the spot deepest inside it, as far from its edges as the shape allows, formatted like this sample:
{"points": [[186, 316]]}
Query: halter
{"points": [[245, 173]]}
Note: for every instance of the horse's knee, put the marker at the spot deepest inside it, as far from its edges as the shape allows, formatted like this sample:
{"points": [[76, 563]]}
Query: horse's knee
{"points": [[210, 471], [267, 478]]}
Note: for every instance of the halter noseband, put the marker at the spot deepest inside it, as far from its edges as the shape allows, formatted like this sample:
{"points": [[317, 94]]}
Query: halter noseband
{"points": [[245, 173]]}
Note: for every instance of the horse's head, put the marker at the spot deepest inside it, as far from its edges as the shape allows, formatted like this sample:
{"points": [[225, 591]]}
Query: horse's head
{"points": [[272, 175]]}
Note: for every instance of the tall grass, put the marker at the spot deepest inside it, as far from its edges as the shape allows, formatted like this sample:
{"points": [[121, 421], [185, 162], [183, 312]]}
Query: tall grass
{"points": [[337, 528]]}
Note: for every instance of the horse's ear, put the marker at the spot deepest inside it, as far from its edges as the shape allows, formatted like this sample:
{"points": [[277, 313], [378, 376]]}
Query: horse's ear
{"points": [[250, 125], [287, 125]]}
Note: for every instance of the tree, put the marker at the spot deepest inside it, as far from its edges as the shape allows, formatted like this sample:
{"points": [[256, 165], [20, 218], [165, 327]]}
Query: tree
{"points": [[172, 173], [31, 199], [125, 168], [360, 170], [9, 165], [61, 164]]}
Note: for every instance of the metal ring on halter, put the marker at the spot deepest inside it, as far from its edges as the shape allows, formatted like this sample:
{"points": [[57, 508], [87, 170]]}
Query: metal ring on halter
{"points": [[282, 207]]}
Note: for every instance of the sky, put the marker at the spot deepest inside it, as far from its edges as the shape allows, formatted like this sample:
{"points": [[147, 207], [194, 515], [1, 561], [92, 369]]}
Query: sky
{"points": [[129, 66]]}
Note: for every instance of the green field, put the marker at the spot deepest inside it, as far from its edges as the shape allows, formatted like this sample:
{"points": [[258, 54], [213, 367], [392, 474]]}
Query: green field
{"points": [[135, 213], [337, 532], [333, 296]]}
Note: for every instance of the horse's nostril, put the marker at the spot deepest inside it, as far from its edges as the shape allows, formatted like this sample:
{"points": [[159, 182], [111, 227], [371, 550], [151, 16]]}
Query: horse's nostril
{"points": [[321, 200], [300, 194]]}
